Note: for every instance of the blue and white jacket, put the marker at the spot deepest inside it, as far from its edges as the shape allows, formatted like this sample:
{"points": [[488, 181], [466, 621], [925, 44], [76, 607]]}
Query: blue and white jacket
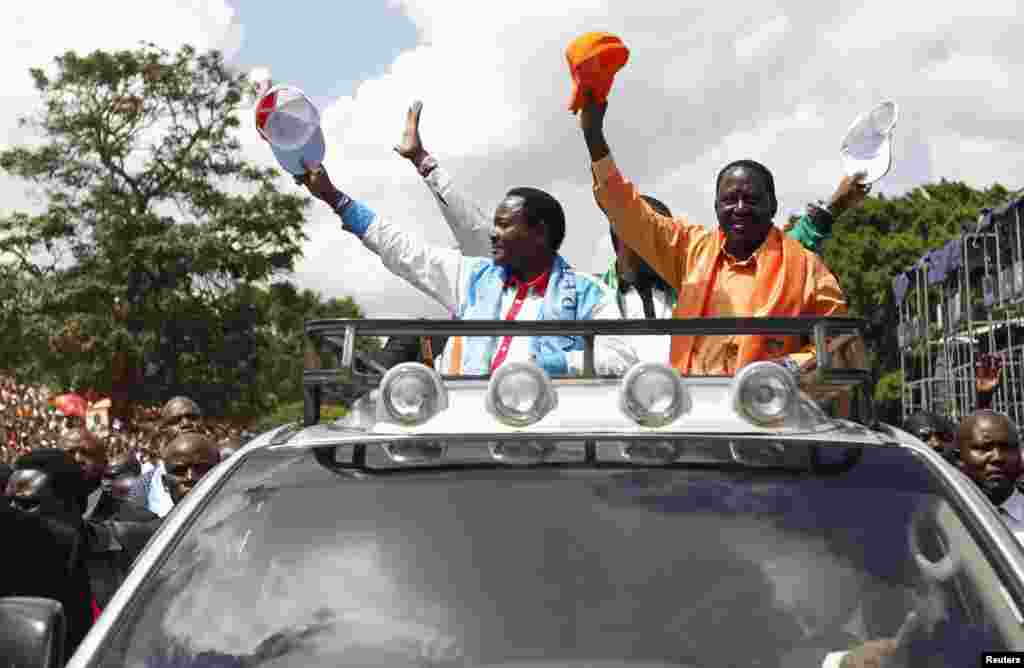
{"points": [[472, 288], [472, 229]]}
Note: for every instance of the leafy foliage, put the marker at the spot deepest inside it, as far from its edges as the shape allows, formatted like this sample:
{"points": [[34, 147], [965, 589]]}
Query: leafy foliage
{"points": [[155, 234], [886, 236], [283, 311], [871, 245]]}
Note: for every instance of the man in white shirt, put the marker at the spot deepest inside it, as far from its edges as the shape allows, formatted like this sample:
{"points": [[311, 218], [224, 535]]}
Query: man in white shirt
{"points": [[524, 279], [640, 292], [1012, 512], [178, 415]]}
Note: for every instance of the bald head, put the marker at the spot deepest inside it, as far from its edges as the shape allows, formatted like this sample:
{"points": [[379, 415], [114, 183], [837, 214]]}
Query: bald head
{"points": [[984, 419], [990, 453], [181, 414], [88, 452], [188, 443], [187, 458]]}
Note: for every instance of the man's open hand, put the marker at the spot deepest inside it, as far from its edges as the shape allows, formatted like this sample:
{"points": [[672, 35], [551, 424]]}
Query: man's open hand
{"points": [[411, 146], [988, 373], [872, 654], [851, 193]]}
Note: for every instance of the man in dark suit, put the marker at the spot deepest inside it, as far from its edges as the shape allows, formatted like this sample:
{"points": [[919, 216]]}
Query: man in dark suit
{"points": [[49, 482], [100, 503], [45, 557]]}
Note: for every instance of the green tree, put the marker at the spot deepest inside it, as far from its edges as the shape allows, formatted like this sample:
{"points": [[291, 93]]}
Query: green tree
{"points": [[150, 211], [283, 310], [886, 236], [873, 244]]}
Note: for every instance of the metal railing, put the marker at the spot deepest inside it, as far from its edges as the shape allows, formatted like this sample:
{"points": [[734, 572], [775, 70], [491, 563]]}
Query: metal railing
{"points": [[337, 337], [972, 308]]}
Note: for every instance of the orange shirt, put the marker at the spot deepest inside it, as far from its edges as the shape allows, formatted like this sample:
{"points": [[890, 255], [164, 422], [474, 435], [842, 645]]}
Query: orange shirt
{"points": [[781, 279], [730, 296]]}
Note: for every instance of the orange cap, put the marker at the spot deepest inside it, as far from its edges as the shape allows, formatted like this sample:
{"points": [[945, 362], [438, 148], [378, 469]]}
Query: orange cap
{"points": [[594, 58]]}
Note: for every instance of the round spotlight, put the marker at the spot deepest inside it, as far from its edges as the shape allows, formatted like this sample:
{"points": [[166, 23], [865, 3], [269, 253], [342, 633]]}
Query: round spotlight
{"points": [[520, 394], [412, 393], [652, 395], [764, 393]]}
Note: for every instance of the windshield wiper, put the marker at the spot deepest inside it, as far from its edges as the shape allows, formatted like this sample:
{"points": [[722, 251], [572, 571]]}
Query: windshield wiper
{"points": [[273, 647]]}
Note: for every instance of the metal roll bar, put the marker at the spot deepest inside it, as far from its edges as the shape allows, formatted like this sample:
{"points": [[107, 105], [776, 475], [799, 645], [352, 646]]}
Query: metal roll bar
{"points": [[338, 337]]}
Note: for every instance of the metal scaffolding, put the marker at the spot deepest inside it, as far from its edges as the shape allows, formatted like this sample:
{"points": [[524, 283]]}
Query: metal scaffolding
{"points": [[956, 303]]}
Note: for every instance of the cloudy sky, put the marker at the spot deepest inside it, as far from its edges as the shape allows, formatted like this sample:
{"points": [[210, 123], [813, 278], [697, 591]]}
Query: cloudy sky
{"points": [[706, 83]]}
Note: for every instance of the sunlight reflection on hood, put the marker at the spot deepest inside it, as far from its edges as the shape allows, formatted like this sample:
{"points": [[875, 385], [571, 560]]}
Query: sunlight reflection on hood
{"points": [[304, 589]]}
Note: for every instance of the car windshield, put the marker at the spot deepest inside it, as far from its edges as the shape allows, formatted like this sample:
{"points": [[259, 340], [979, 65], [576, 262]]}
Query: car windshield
{"points": [[296, 563]]}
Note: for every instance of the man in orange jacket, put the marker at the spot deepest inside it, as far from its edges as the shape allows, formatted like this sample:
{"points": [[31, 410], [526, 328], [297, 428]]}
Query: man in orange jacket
{"points": [[745, 268]]}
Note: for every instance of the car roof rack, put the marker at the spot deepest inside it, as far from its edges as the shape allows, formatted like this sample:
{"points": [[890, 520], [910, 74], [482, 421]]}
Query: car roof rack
{"points": [[343, 381]]}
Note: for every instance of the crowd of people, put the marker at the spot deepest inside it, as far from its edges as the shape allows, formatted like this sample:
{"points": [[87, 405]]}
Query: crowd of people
{"points": [[29, 420], [104, 494], [98, 496]]}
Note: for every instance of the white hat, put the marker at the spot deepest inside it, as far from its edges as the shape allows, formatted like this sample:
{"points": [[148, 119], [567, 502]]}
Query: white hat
{"points": [[868, 143], [290, 123]]}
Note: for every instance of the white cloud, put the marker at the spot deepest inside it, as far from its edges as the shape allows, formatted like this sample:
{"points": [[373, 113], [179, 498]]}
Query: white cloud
{"points": [[46, 30], [779, 82], [766, 36]]}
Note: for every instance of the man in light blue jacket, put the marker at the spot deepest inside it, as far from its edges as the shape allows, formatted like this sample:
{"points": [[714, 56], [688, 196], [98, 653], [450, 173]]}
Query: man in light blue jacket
{"points": [[524, 279]]}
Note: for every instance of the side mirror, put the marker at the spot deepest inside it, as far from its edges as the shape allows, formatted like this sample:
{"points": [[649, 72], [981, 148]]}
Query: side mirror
{"points": [[32, 632]]}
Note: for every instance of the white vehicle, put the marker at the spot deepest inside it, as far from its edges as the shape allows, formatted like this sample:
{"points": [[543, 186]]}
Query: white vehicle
{"points": [[521, 520]]}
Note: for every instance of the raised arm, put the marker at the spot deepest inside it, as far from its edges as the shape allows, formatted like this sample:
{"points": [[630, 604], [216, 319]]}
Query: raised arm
{"points": [[663, 242], [987, 377], [814, 227], [468, 221], [434, 271]]}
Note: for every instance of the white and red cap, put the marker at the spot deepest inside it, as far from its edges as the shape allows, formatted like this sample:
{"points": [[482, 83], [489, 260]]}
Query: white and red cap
{"points": [[290, 123]]}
